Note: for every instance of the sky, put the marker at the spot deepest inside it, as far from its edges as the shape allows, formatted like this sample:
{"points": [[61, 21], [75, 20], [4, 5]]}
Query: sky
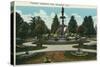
{"points": [[48, 13]]}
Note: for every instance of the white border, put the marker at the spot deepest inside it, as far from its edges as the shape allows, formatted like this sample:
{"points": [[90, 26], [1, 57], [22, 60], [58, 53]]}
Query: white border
{"points": [[27, 3]]}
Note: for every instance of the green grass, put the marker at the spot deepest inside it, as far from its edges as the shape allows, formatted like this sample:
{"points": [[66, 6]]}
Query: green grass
{"points": [[28, 48], [23, 60], [90, 56], [68, 57], [57, 42], [94, 47]]}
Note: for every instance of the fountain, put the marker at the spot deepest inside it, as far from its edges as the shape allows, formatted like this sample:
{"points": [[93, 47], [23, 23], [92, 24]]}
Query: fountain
{"points": [[61, 38], [79, 52], [62, 25]]}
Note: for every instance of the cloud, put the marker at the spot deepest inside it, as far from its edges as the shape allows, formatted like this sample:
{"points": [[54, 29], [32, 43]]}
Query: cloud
{"points": [[26, 17], [48, 18], [19, 11], [78, 18]]}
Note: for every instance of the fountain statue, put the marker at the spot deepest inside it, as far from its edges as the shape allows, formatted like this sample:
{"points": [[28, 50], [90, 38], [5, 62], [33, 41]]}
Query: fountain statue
{"points": [[62, 17], [79, 52]]}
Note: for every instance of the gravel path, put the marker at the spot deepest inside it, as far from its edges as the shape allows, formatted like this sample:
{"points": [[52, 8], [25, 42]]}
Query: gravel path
{"points": [[56, 48]]}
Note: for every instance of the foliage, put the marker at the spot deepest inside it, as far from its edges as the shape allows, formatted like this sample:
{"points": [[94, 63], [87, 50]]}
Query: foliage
{"points": [[80, 30], [55, 25], [88, 24], [72, 25], [40, 29], [21, 27], [32, 26]]}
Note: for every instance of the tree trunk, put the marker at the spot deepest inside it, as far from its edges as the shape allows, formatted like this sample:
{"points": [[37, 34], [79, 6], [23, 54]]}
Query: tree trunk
{"points": [[39, 43]]}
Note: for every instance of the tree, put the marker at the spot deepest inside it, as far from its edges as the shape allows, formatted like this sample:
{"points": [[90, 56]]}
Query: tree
{"points": [[21, 27], [80, 30], [19, 22], [55, 25], [72, 25], [40, 29], [89, 26], [96, 29], [32, 26], [85, 22], [24, 30]]}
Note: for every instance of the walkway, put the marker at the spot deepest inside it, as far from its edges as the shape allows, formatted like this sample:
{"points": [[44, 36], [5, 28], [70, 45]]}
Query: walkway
{"points": [[56, 48]]}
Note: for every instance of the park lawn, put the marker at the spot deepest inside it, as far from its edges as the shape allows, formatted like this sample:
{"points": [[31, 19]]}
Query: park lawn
{"points": [[28, 48], [70, 57], [34, 58], [57, 42], [55, 56], [94, 47]]}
